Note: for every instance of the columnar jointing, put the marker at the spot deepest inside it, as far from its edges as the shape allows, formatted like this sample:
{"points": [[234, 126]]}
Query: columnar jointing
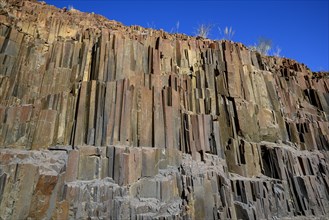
{"points": [[105, 121]]}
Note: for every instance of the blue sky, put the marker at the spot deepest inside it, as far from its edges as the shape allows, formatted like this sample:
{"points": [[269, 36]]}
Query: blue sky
{"points": [[299, 28]]}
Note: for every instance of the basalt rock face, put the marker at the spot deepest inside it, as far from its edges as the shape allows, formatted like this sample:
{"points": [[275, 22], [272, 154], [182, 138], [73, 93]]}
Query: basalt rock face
{"points": [[103, 121]]}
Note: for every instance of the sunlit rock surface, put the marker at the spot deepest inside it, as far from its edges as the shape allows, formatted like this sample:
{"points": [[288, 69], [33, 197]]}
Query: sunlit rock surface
{"points": [[103, 121]]}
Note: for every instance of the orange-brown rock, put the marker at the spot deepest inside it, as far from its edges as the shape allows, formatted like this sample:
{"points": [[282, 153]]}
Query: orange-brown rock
{"points": [[103, 121]]}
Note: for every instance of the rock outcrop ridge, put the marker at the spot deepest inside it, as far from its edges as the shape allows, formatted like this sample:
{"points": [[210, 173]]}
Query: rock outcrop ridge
{"points": [[103, 121]]}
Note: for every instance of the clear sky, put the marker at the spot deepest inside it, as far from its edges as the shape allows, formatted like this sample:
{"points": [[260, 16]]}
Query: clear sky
{"points": [[299, 28]]}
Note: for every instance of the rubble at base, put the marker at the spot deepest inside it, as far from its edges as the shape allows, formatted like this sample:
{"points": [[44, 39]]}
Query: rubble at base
{"points": [[103, 121]]}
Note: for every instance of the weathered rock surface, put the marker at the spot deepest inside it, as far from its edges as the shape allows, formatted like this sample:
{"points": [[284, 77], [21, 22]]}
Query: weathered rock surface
{"points": [[103, 121]]}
